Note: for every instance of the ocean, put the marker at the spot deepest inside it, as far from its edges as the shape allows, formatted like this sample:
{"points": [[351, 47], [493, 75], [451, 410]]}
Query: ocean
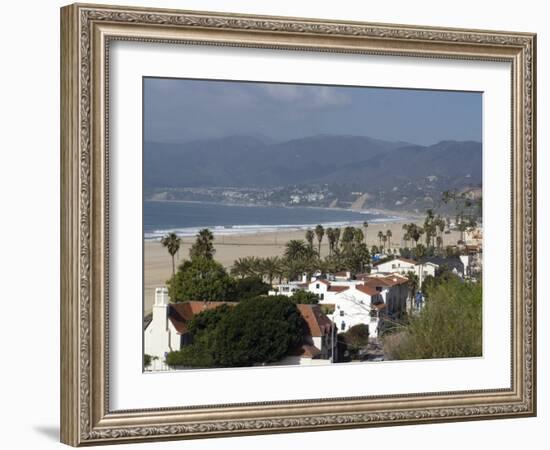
{"points": [[187, 218]]}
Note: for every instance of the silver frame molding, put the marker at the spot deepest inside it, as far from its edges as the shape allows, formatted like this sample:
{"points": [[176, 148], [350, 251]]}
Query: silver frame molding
{"points": [[86, 32]]}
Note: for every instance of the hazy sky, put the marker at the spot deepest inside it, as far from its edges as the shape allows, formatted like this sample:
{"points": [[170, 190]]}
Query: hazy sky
{"points": [[183, 110]]}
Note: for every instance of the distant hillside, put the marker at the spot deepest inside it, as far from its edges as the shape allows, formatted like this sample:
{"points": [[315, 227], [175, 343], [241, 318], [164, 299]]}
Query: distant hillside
{"points": [[246, 161]]}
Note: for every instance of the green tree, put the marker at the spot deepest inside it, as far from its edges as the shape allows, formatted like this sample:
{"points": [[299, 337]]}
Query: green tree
{"points": [[255, 331], [203, 246], [419, 251], [271, 267], [449, 326], [305, 298], [412, 284], [296, 249], [388, 237], [200, 279], [243, 267], [356, 339], [309, 238], [172, 243], [348, 236], [331, 240], [384, 240], [148, 359], [365, 226], [248, 287], [336, 237], [319, 232]]}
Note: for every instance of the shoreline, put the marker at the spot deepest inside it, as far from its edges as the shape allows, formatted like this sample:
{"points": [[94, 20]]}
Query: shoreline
{"points": [[157, 264], [388, 216], [375, 211]]}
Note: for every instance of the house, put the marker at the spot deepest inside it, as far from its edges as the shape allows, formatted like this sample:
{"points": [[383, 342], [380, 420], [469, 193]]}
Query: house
{"points": [[396, 265], [394, 292], [454, 264], [167, 331], [319, 342], [363, 300], [403, 266], [354, 304]]}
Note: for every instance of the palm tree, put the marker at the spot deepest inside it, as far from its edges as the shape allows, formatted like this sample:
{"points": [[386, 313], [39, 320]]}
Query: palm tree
{"points": [[388, 236], [358, 236], [406, 239], [172, 243], [271, 267], [365, 226], [203, 246], [309, 238], [241, 267], [319, 232], [295, 249], [412, 284], [384, 240], [380, 235], [336, 237], [331, 238]]}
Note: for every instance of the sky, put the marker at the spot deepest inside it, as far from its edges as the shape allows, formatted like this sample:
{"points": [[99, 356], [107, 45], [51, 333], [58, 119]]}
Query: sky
{"points": [[181, 110]]}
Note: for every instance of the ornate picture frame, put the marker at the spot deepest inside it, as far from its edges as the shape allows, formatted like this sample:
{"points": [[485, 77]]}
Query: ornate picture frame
{"points": [[86, 34]]}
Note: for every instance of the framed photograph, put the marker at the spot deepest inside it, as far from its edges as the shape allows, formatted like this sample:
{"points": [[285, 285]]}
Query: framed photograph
{"points": [[275, 224]]}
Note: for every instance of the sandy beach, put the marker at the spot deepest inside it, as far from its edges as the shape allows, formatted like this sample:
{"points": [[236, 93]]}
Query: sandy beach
{"points": [[158, 265]]}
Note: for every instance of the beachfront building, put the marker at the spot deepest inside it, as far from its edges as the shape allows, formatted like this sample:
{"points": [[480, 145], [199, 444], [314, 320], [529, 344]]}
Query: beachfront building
{"points": [[167, 331]]}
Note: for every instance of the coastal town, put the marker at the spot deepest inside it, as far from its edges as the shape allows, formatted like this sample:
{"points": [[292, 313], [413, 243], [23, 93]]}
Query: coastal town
{"points": [[330, 297]]}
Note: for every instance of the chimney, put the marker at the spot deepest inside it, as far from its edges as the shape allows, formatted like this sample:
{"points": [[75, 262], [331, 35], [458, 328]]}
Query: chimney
{"points": [[304, 277], [161, 296], [160, 308]]}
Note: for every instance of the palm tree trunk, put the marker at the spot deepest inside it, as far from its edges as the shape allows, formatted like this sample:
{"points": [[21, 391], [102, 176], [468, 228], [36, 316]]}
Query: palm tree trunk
{"points": [[173, 266]]}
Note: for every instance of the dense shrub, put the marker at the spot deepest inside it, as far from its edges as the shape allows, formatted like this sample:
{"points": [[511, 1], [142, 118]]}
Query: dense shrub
{"points": [[449, 326]]}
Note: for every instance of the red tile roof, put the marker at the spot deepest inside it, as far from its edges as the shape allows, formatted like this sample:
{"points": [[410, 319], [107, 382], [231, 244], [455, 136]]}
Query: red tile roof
{"points": [[394, 280], [318, 323], [180, 313], [376, 282], [367, 290], [333, 288]]}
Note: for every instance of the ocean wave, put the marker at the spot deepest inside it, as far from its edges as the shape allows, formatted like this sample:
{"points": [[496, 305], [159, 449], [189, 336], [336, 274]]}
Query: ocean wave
{"points": [[221, 230]]}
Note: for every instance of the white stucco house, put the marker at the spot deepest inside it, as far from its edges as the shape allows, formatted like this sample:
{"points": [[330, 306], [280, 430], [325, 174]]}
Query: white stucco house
{"points": [[167, 331], [403, 266], [353, 305]]}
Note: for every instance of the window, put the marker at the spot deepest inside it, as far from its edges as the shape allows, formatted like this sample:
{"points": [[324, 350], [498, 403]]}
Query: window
{"points": [[317, 286], [341, 313], [343, 326], [322, 296]]}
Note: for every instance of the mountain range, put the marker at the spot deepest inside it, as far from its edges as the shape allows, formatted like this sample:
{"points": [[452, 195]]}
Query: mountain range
{"points": [[252, 161]]}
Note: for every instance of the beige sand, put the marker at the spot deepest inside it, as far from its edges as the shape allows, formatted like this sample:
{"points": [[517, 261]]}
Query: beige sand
{"points": [[158, 264]]}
